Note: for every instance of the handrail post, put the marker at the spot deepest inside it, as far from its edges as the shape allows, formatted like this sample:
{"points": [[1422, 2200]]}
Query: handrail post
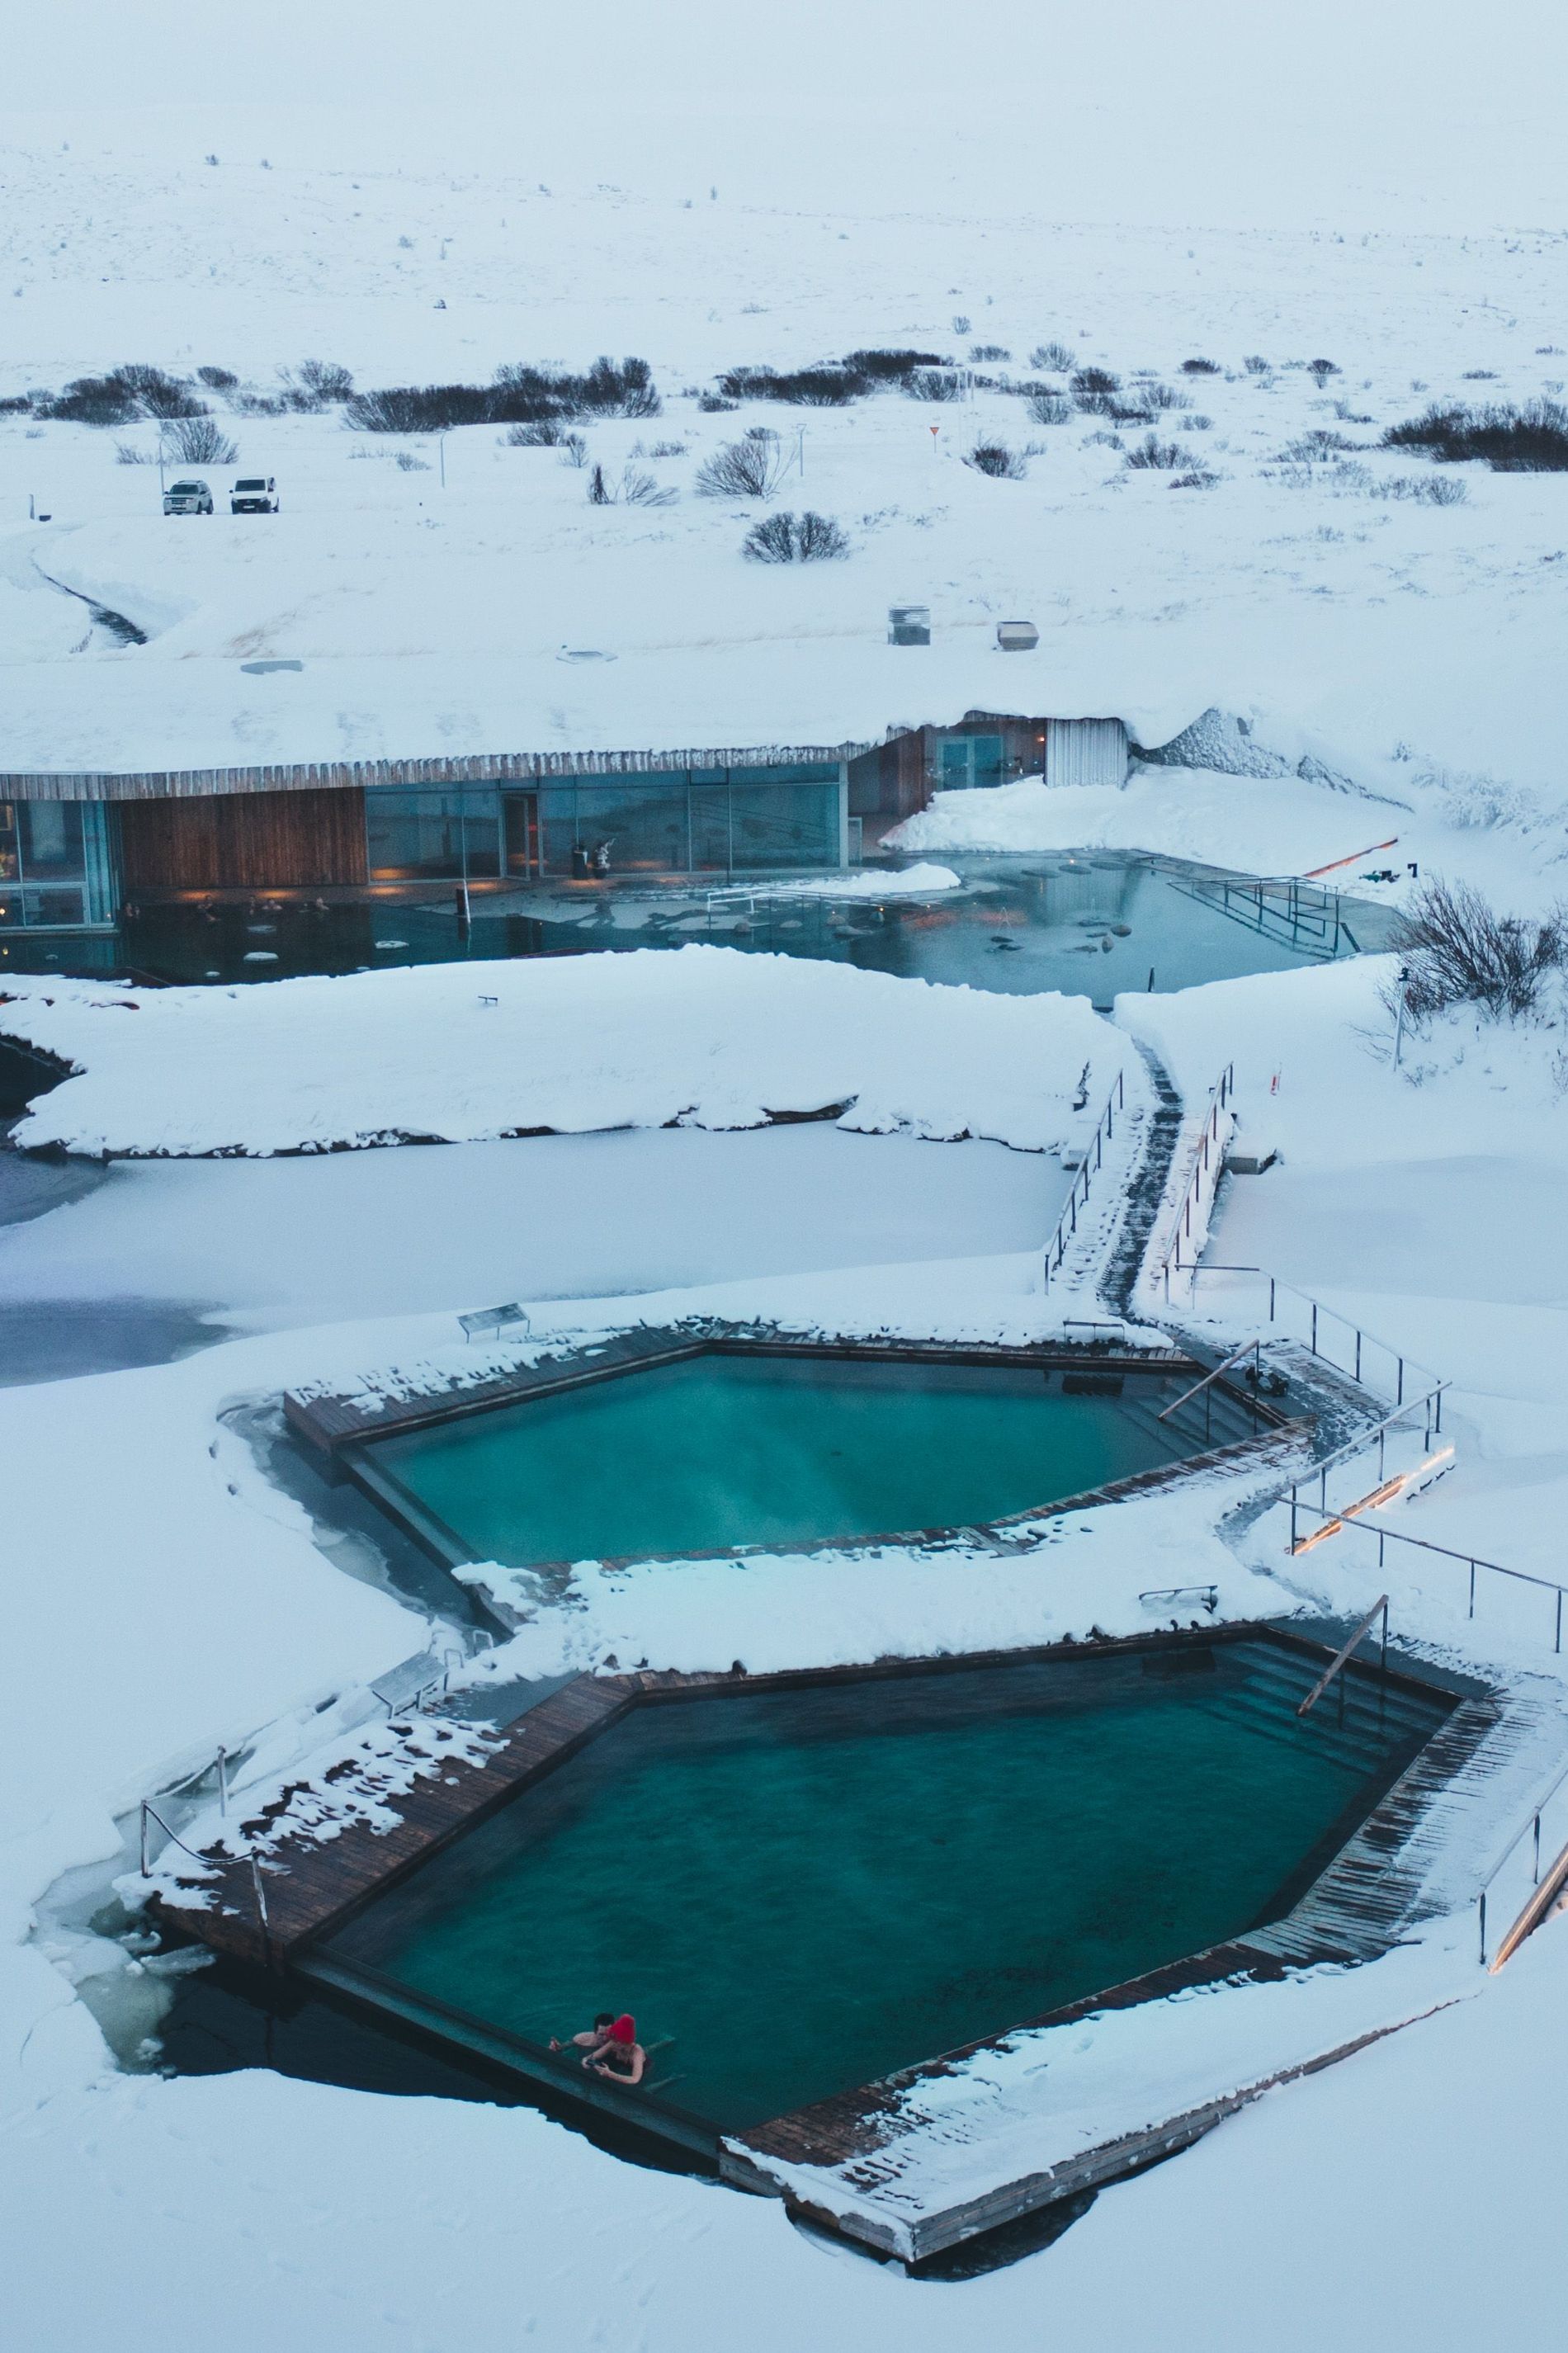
{"points": [[1483, 1910], [145, 1873]]}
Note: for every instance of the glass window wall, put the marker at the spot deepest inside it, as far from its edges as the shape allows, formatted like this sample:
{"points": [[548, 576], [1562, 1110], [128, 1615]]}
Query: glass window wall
{"points": [[54, 864], [432, 837]]}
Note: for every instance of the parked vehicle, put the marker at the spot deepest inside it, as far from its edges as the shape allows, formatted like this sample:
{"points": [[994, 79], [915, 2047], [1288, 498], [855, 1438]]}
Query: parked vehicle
{"points": [[255, 494], [188, 497]]}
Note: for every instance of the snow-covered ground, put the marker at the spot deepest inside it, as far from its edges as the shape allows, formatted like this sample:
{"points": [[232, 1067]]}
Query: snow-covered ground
{"points": [[159, 1596]]}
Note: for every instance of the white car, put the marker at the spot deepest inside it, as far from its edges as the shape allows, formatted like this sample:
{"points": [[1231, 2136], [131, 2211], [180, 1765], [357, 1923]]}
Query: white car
{"points": [[188, 497], [254, 494]]}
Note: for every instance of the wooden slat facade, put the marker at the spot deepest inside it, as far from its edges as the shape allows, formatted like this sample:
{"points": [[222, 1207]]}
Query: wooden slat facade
{"points": [[258, 842]]}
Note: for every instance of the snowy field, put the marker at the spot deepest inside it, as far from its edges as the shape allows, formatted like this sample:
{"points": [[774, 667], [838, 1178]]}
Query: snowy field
{"points": [[161, 1596]]}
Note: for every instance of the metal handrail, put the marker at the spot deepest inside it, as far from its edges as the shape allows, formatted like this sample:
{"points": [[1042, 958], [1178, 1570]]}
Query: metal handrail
{"points": [[1471, 1560], [1067, 1223], [1220, 1094], [148, 1808], [1175, 1593], [1361, 1337], [1187, 1395], [1342, 1656], [1431, 1403], [1528, 1829]]}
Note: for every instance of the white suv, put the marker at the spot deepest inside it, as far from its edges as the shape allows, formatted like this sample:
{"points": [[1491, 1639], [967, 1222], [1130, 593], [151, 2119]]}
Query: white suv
{"points": [[188, 497], [255, 494]]}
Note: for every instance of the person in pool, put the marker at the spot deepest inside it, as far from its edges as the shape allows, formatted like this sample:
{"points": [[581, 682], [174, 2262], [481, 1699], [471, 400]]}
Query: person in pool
{"points": [[595, 2038], [620, 2058]]}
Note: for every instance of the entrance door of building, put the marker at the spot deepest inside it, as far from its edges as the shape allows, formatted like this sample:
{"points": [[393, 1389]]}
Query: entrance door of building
{"points": [[521, 813]]}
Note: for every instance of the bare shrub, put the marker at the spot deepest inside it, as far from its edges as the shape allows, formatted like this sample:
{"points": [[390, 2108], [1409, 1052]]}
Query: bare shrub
{"points": [[1094, 388], [995, 457], [639, 490], [741, 469], [818, 539], [1320, 370], [126, 453], [125, 393], [196, 441], [878, 368], [1197, 423], [810, 387], [667, 450], [325, 380], [519, 395], [960, 323], [1456, 950], [983, 352], [1532, 439], [1162, 395], [574, 452], [1255, 364], [1153, 456], [1317, 447], [545, 435], [1200, 367], [407, 464], [933, 384], [1055, 358], [806, 538], [1049, 407], [1196, 478], [632, 488], [217, 379], [711, 403]]}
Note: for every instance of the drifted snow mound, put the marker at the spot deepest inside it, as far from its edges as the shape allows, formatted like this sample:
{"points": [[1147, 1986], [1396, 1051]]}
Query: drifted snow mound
{"points": [[705, 1036]]}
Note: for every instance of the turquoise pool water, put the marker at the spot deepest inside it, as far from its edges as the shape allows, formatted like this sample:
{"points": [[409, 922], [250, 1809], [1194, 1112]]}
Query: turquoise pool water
{"points": [[796, 1891], [721, 1450]]}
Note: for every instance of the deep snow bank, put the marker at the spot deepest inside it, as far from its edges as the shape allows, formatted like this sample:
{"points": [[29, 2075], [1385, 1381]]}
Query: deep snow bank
{"points": [[707, 1037], [1261, 825]]}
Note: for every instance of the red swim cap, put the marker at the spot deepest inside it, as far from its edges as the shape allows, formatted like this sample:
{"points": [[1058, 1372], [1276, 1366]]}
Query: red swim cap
{"points": [[624, 2030]]}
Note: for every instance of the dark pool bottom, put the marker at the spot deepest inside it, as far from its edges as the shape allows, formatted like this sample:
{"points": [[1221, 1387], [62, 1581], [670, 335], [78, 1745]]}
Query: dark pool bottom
{"points": [[796, 1891]]}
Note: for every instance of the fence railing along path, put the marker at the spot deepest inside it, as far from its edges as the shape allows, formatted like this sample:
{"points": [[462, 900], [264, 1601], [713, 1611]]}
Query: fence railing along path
{"points": [[1089, 1168]]}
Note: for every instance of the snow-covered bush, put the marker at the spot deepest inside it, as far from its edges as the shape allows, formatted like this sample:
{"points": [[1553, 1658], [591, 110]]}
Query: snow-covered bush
{"points": [[833, 386], [995, 457], [982, 352], [1320, 370], [1456, 950], [741, 469], [807, 538], [1094, 388], [125, 394], [326, 380], [519, 395], [217, 379], [1153, 456], [1532, 439], [933, 384], [1049, 407], [196, 441], [1200, 367], [126, 453], [1055, 358]]}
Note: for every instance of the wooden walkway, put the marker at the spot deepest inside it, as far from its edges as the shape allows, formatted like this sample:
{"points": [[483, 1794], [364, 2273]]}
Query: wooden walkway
{"points": [[309, 1884]]}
